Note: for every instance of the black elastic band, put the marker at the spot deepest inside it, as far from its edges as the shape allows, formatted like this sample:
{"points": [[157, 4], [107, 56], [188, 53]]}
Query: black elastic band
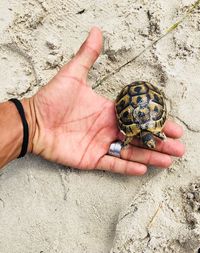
{"points": [[25, 126]]}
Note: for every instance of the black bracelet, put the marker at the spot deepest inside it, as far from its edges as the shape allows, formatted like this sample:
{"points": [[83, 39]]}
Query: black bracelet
{"points": [[25, 126]]}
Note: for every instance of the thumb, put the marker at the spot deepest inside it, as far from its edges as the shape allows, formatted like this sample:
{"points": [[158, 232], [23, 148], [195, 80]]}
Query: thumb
{"points": [[86, 56]]}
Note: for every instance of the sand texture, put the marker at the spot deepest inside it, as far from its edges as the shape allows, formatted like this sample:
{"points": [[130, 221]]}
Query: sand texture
{"points": [[45, 207]]}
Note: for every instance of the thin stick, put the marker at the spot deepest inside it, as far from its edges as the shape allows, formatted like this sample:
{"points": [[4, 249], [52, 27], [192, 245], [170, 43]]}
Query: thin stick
{"points": [[169, 30]]}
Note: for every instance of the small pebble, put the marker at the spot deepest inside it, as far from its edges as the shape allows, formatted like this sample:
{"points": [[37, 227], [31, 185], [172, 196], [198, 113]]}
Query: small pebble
{"points": [[53, 43]]}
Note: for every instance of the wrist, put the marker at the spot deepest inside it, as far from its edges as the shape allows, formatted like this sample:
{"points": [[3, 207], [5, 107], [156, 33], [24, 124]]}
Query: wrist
{"points": [[29, 110], [11, 134]]}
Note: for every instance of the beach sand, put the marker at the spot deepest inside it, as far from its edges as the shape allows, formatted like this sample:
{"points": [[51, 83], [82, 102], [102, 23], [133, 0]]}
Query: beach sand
{"points": [[45, 207]]}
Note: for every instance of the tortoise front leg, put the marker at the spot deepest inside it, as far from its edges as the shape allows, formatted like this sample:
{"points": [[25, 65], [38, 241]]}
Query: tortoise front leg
{"points": [[148, 139]]}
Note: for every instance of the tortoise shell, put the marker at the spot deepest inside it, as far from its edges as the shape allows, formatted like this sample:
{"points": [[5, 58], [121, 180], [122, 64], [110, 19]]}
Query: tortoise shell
{"points": [[140, 106]]}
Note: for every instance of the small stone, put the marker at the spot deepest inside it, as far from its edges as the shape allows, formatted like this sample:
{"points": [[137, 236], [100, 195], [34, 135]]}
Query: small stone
{"points": [[54, 52], [197, 196], [53, 43], [28, 71], [54, 61], [190, 195]]}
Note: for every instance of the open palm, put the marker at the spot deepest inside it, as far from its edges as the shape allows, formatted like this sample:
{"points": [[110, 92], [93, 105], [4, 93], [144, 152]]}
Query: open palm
{"points": [[75, 126]]}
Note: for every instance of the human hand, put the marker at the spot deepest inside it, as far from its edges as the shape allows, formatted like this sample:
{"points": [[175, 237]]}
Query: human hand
{"points": [[74, 126]]}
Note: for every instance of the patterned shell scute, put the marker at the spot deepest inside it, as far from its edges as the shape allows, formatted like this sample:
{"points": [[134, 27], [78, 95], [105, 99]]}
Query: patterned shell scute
{"points": [[140, 105]]}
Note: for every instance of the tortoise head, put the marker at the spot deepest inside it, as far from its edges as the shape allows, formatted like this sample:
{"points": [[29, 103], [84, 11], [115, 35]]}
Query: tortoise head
{"points": [[148, 139]]}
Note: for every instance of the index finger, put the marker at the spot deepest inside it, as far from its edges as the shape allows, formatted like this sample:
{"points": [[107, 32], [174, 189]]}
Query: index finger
{"points": [[172, 129]]}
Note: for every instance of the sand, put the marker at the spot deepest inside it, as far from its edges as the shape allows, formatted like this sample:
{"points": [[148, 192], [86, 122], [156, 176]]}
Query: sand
{"points": [[45, 207]]}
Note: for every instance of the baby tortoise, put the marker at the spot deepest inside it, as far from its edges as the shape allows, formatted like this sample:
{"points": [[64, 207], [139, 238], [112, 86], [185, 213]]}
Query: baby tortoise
{"points": [[141, 111]]}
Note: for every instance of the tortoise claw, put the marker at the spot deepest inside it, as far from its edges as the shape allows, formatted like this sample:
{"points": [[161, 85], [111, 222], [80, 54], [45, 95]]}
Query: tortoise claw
{"points": [[161, 136]]}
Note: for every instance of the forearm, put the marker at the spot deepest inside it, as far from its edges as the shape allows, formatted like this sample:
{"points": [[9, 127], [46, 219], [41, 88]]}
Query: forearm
{"points": [[11, 130]]}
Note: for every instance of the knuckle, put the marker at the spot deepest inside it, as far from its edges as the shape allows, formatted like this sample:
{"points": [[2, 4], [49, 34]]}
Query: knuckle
{"points": [[162, 146], [91, 50], [126, 168], [149, 157], [127, 153], [85, 67], [112, 165]]}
